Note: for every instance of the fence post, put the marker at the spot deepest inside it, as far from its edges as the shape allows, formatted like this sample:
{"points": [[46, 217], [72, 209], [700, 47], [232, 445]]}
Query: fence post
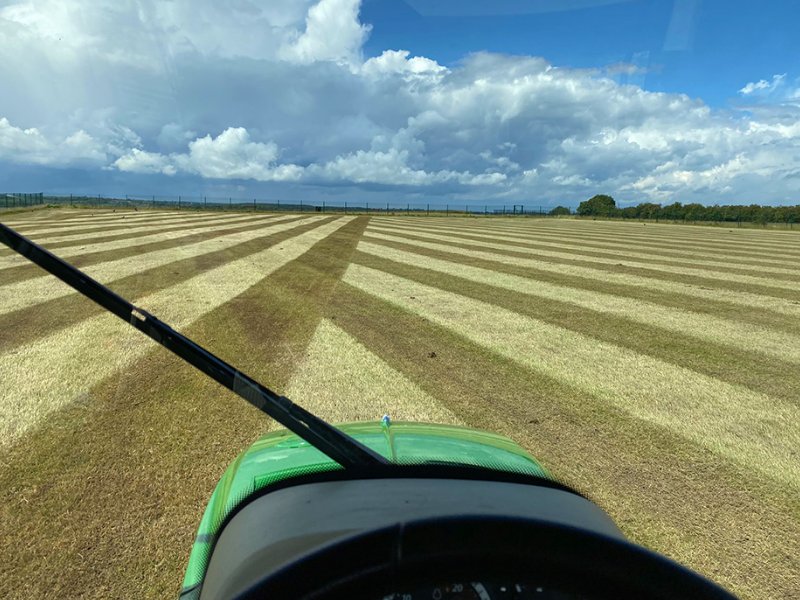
{"points": [[301, 206], [254, 205], [323, 206], [345, 207], [205, 202], [447, 209], [154, 200], [485, 209], [179, 202], [387, 208], [367, 207], [428, 210], [466, 208]]}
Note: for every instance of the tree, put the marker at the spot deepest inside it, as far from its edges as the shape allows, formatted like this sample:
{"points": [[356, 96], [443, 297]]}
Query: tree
{"points": [[601, 205], [560, 210]]}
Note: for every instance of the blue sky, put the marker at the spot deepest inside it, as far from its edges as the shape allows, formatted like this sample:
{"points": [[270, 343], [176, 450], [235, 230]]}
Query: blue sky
{"points": [[536, 101], [704, 49]]}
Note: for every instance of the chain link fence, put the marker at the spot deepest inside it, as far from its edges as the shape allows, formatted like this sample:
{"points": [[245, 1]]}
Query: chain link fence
{"points": [[216, 203]]}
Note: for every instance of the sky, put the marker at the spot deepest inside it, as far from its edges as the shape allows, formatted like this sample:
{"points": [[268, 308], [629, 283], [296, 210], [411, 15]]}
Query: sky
{"points": [[538, 102]]}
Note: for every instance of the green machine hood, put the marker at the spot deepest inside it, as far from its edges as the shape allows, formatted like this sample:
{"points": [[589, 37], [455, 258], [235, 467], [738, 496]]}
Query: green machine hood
{"points": [[282, 455]]}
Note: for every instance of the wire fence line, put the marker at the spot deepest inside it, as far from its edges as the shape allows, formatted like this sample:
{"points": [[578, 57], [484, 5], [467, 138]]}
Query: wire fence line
{"points": [[21, 200], [272, 205]]}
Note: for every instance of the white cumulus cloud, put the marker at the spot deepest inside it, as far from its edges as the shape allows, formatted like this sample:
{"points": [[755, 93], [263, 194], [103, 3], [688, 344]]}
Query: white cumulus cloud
{"points": [[280, 92]]}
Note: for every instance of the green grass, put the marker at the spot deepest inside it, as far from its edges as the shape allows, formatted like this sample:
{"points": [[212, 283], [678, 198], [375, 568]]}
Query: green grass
{"points": [[652, 367]]}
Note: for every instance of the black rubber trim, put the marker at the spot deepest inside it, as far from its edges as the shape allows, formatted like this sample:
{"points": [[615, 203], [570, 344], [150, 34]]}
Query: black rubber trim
{"points": [[439, 470], [492, 549]]}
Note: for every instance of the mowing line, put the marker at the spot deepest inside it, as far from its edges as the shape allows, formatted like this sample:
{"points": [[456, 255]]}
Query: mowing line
{"points": [[601, 450], [56, 219], [341, 381], [768, 341], [593, 233], [773, 301], [81, 239], [594, 277], [171, 237], [36, 384], [151, 227], [31, 292], [616, 249], [116, 226], [733, 240], [677, 270], [758, 431]]}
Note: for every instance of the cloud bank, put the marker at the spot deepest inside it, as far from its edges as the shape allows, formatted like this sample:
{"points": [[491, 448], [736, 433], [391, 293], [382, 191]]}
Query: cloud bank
{"points": [[280, 93]]}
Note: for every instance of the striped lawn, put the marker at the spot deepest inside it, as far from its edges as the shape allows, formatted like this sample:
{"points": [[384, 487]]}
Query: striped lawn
{"points": [[341, 381], [93, 226], [36, 385], [654, 367], [31, 292], [147, 227], [91, 253], [713, 329], [560, 241], [748, 299], [62, 217], [768, 282], [630, 233], [687, 403]]}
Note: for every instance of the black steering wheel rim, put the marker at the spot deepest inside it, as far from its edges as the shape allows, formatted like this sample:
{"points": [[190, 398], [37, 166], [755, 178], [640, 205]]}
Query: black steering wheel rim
{"points": [[475, 548]]}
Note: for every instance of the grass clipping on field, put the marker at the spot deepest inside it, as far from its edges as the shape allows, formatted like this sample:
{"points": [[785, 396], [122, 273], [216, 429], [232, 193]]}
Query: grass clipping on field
{"points": [[769, 341], [30, 292], [753, 429], [668, 286], [341, 381], [53, 371]]}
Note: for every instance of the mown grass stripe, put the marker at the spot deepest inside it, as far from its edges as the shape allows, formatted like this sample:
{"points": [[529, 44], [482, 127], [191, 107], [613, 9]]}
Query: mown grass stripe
{"points": [[341, 381], [582, 249], [61, 217], [776, 377], [32, 292], [681, 232], [766, 242], [652, 228], [180, 431], [788, 295], [668, 267], [145, 227], [755, 430], [36, 384], [67, 241], [116, 226], [600, 449], [106, 251], [757, 310], [99, 233], [591, 232], [561, 240], [769, 341]]}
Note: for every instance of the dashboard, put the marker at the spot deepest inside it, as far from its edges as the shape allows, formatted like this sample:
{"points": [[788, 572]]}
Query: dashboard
{"points": [[476, 590]]}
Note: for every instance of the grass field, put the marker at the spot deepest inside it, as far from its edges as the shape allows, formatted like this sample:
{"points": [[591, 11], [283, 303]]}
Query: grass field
{"points": [[656, 368]]}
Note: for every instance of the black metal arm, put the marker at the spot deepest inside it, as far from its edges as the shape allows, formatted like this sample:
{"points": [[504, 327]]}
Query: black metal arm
{"points": [[342, 448]]}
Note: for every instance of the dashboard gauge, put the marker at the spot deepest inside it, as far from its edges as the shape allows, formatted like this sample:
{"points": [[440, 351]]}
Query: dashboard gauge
{"points": [[450, 591]]}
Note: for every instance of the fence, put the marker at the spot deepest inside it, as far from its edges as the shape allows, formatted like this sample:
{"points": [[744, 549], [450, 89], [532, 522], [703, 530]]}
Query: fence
{"points": [[273, 205], [21, 200]]}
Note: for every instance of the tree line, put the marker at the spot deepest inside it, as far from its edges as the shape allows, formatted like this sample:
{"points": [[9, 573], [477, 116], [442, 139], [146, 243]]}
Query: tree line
{"points": [[603, 205]]}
